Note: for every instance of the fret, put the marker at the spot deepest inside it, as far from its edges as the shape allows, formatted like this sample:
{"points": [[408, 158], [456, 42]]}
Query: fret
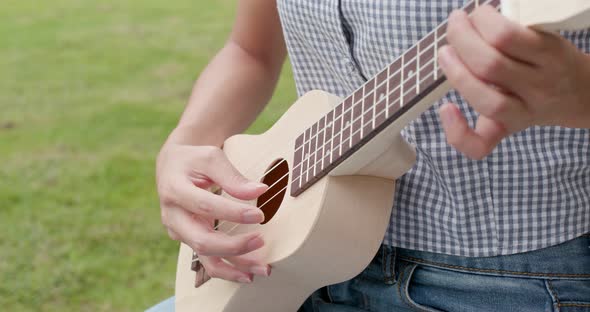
{"points": [[357, 120], [395, 102], [298, 157], [304, 172], [394, 98], [401, 82], [410, 90], [373, 119], [368, 120], [346, 126], [336, 138], [313, 145], [330, 152], [381, 106], [409, 70], [381, 92], [369, 100], [381, 100], [328, 138], [357, 111], [320, 150], [435, 53], [410, 64], [358, 95], [382, 77], [417, 68], [368, 88], [395, 69], [426, 50], [368, 109], [337, 127], [387, 88], [393, 84], [427, 60], [428, 74]]}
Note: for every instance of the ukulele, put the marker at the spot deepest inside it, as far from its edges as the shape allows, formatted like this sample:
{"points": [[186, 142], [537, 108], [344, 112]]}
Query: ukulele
{"points": [[331, 166]]}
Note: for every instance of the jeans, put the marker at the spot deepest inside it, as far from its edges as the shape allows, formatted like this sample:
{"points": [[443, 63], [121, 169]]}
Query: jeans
{"points": [[551, 279]]}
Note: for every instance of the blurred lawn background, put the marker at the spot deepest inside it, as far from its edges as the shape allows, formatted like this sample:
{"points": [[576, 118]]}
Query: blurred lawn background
{"points": [[89, 90]]}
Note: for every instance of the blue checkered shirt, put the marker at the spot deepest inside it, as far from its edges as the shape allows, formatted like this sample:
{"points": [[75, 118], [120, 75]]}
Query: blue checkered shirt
{"points": [[533, 191]]}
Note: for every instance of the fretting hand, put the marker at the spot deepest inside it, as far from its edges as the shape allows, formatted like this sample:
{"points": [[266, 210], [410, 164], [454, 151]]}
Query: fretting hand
{"points": [[513, 76]]}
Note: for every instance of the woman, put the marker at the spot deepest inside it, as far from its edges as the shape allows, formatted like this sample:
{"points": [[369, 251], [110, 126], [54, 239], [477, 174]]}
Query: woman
{"points": [[493, 216]]}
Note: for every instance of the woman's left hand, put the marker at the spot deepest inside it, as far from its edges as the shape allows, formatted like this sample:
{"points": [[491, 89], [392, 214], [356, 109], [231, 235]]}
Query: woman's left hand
{"points": [[513, 76]]}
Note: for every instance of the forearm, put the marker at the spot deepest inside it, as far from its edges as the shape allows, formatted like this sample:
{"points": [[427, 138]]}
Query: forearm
{"points": [[226, 98]]}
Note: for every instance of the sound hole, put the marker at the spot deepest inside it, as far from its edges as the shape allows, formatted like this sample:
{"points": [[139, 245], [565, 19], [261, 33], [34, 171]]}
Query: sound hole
{"points": [[277, 179]]}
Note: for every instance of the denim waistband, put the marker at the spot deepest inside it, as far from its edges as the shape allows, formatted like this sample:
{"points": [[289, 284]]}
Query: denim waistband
{"points": [[570, 259]]}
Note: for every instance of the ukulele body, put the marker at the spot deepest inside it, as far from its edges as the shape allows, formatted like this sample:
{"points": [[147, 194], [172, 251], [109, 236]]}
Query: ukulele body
{"points": [[326, 235]]}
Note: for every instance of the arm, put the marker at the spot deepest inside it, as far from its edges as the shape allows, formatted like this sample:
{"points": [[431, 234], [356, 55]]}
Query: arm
{"points": [[227, 97], [239, 81]]}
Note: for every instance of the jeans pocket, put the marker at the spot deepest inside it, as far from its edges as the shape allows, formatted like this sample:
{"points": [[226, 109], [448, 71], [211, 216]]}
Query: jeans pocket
{"points": [[406, 285], [428, 288]]}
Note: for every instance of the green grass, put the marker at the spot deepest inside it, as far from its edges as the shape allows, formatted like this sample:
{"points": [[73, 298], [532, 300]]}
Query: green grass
{"points": [[89, 90]]}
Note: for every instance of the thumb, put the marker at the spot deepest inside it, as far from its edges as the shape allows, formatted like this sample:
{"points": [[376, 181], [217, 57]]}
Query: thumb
{"points": [[224, 174]]}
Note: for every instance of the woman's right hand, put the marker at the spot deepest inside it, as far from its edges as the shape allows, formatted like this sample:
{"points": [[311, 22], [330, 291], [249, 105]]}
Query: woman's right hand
{"points": [[189, 210]]}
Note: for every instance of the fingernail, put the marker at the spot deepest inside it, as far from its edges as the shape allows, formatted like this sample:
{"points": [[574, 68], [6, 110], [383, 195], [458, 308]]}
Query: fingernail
{"points": [[245, 280], [262, 270], [253, 216], [255, 243], [256, 185]]}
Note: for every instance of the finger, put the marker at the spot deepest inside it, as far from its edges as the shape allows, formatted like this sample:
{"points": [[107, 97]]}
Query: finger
{"points": [[514, 40], [483, 60], [475, 144], [251, 264], [217, 268], [173, 235], [485, 99], [198, 234], [204, 203], [219, 169], [201, 181]]}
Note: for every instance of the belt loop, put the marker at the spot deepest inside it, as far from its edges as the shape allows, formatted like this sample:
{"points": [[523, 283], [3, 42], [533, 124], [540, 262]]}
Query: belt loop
{"points": [[389, 259], [394, 263]]}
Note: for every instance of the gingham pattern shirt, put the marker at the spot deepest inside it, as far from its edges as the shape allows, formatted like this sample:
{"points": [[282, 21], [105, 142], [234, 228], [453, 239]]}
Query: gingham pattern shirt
{"points": [[533, 191]]}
